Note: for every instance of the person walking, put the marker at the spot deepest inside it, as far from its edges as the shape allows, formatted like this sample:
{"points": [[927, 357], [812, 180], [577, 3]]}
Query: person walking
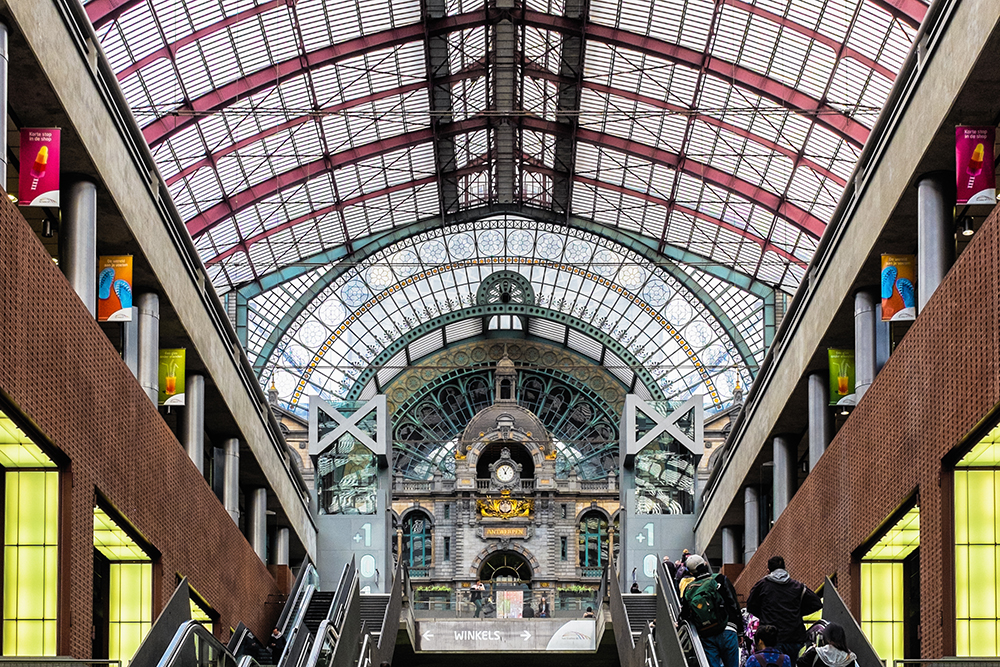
{"points": [[766, 654], [710, 605], [781, 601], [830, 650], [477, 597]]}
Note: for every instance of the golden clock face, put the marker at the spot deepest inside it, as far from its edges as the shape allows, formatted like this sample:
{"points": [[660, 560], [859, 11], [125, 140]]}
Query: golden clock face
{"points": [[505, 473]]}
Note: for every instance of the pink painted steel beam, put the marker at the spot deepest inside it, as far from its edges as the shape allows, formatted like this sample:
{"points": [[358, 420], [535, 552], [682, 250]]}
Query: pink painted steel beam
{"points": [[768, 200], [103, 12], [760, 84], [809, 33], [222, 97], [910, 12]]}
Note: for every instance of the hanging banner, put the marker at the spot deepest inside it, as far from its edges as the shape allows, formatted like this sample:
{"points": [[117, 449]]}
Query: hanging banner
{"points": [[899, 288], [114, 288], [38, 184], [975, 177], [842, 377], [172, 377]]}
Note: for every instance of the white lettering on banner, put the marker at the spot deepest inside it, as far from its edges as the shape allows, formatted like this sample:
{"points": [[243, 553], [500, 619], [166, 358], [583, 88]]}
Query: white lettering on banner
{"points": [[477, 635]]}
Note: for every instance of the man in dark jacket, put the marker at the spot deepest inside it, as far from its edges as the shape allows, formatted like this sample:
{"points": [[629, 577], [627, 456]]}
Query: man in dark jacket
{"points": [[721, 643], [779, 600]]}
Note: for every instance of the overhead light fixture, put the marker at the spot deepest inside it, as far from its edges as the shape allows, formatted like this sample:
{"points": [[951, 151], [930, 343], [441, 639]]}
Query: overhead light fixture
{"points": [[965, 226], [12, 197], [844, 410]]}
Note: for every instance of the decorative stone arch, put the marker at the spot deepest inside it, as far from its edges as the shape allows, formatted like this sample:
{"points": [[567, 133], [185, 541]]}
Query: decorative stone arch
{"points": [[490, 437], [413, 509], [504, 545], [591, 508]]}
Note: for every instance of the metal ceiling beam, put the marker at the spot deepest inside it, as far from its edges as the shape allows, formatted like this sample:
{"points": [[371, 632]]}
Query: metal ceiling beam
{"points": [[910, 12], [780, 93], [754, 193], [439, 98], [571, 65]]}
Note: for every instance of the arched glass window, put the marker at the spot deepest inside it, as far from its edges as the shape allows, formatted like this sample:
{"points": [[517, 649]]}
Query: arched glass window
{"points": [[417, 542], [593, 540]]}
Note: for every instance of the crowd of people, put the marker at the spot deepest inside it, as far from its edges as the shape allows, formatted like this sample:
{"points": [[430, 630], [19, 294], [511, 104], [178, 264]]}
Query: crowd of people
{"points": [[770, 631]]}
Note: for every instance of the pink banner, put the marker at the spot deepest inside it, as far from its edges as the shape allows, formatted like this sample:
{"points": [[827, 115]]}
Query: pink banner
{"points": [[975, 178], [39, 179]]}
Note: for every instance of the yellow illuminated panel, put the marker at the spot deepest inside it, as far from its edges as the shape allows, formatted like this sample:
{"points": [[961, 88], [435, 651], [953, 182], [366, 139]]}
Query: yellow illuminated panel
{"points": [[882, 586], [31, 563], [17, 450], [131, 608], [113, 542], [977, 584], [200, 615]]}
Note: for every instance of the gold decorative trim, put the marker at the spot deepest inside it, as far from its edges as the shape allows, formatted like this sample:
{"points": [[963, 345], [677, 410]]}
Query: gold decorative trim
{"points": [[505, 507]]}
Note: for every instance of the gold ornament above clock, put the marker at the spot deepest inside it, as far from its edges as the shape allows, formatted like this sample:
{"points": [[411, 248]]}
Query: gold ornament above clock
{"points": [[505, 507]]}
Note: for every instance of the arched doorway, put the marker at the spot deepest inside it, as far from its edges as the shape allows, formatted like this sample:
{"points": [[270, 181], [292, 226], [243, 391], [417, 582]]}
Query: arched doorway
{"points": [[508, 578]]}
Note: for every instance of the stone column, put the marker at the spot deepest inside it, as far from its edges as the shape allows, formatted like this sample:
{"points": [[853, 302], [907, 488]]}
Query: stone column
{"points": [[864, 343], [281, 542], [819, 416], [78, 242], [130, 342], [751, 523], [193, 424], [257, 522], [149, 345], [784, 474], [730, 547], [935, 232], [231, 478]]}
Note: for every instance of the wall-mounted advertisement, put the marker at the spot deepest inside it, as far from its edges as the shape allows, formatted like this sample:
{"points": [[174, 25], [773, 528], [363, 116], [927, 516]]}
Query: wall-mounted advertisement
{"points": [[38, 184], [114, 288], [899, 288], [975, 178], [172, 370], [842, 377]]}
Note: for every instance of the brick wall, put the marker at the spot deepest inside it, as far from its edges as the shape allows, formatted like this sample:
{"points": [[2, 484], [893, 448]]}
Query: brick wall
{"points": [[941, 381], [59, 370]]}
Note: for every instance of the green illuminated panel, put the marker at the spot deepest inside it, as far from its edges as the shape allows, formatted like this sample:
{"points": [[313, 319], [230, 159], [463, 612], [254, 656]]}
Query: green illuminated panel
{"points": [[130, 608], [986, 454], [17, 450], [31, 563], [977, 555], [113, 542]]}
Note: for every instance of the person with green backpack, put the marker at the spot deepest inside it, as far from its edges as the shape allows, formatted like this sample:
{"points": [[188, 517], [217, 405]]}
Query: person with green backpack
{"points": [[710, 605]]}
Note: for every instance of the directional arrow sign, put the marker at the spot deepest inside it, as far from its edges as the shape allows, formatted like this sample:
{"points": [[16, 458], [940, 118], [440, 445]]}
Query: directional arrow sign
{"points": [[427, 635], [525, 635]]}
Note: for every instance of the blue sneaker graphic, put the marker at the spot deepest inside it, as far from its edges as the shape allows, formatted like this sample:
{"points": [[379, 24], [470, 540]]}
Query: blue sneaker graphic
{"points": [[104, 283], [124, 293], [906, 291], [888, 280]]}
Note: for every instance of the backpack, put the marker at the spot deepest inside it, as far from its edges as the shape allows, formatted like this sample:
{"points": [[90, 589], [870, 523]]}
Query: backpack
{"points": [[706, 608], [774, 661]]}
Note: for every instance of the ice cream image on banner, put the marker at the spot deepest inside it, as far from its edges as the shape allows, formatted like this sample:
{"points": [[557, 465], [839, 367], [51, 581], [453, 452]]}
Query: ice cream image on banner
{"points": [[975, 163], [38, 169], [907, 292], [888, 281], [104, 282], [124, 293]]}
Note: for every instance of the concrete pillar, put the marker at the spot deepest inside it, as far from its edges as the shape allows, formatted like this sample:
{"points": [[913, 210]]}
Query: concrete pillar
{"points": [[730, 547], [864, 343], [257, 522], [784, 474], [882, 339], [4, 76], [935, 232], [149, 345], [130, 342], [281, 541], [231, 478], [751, 523], [193, 423], [819, 416], [78, 242]]}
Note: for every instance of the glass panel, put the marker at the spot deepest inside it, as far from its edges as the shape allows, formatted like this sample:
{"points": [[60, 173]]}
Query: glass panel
{"points": [[977, 553], [131, 604]]}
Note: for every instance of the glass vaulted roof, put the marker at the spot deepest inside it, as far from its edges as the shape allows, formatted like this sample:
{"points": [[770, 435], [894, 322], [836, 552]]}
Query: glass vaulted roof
{"points": [[351, 171]]}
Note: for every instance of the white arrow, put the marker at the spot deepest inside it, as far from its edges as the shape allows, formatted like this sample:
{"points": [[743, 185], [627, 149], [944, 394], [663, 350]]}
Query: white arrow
{"points": [[525, 635], [427, 635]]}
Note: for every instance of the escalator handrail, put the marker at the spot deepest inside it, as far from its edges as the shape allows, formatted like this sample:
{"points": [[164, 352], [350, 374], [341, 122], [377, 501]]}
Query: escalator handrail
{"points": [[335, 612], [187, 630], [295, 596], [298, 626], [325, 630], [674, 607], [389, 631]]}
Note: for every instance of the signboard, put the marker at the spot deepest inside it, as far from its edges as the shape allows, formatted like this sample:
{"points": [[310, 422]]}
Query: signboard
{"points": [[899, 288], [975, 179], [38, 184], [528, 635], [172, 376], [841, 377], [506, 531], [114, 288], [510, 604]]}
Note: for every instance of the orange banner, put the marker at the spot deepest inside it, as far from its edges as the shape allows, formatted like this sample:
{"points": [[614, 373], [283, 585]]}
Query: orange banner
{"points": [[114, 288]]}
